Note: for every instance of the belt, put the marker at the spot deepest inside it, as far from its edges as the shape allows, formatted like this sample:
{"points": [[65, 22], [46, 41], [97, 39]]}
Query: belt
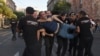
{"points": [[58, 27]]}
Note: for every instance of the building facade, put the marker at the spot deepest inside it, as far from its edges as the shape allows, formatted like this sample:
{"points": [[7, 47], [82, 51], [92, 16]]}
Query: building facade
{"points": [[10, 4], [75, 5], [87, 7], [91, 7], [51, 4], [96, 8]]}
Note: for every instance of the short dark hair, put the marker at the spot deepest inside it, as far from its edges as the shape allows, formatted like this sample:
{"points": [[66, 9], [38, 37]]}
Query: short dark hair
{"points": [[63, 13], [30, 10], [72, 13], [83, 13]]}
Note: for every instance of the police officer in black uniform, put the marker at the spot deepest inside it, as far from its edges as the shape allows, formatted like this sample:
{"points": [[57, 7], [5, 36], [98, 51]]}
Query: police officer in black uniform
{"points": [[13, 23], [20, 33], [85, 36], [29, 26]]}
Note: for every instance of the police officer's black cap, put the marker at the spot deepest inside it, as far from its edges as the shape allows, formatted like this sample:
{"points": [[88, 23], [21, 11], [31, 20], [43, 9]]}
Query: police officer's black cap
{"points": [[30, 10]]}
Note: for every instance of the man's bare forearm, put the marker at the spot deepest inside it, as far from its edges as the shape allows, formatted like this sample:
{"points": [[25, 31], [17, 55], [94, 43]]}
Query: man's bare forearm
{"points": [[57, 19]]}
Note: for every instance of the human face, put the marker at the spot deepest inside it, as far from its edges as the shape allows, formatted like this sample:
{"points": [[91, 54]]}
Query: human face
{"points": [[78, 15], [73, 17], [63, 17], [35, 14], [43, 15], [48, 13]]}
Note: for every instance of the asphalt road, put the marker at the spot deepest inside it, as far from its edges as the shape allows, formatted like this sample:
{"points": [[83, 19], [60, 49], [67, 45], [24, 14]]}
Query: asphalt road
{"points": [[15, 48]]}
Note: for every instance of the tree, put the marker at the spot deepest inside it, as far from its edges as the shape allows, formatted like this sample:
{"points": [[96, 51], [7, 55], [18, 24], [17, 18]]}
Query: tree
{"points": [[1, 10], [19, 14], [14, 16], [7, 12], [2, 4], [61, 5]]}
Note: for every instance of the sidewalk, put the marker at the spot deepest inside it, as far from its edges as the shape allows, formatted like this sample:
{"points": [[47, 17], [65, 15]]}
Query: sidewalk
{"points": [[4, 27], [1, 28]]}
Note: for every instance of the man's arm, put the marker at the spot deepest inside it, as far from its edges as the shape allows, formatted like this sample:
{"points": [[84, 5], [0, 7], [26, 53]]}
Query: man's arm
{"points": [[50, 34], [54, 17], [39, 32], [43, 33]]}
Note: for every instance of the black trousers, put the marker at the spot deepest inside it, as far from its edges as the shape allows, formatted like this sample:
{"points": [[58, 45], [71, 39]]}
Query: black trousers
{"points": [[48, 45], [85, 45], [73, 45], [13, 29], [33, 48], [62, 45]]}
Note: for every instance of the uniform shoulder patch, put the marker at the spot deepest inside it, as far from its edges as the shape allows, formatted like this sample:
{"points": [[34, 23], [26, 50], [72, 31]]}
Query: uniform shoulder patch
{"points": [[29, 22]]}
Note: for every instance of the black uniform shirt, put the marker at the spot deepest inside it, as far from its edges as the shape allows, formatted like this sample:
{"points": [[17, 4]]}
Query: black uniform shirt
{"points": [[29, 26], [85, 25], [13, 23]]}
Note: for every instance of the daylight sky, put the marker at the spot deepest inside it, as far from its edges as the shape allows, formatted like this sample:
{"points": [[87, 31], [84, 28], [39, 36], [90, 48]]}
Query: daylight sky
{"points": [[37, 4]]}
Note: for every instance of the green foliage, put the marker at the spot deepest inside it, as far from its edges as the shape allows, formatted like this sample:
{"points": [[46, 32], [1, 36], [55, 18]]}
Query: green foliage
{"points": [[2, 2], [6, 11], [62, 6], [1, 10], [14, 16], [1, 6], [19, 14]]}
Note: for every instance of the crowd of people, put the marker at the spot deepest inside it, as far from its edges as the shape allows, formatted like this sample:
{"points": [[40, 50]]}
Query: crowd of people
{"points": [[72, 31]]}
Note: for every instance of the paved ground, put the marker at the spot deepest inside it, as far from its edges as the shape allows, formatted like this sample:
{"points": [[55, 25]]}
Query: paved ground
{"points": [[15, 48]]}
